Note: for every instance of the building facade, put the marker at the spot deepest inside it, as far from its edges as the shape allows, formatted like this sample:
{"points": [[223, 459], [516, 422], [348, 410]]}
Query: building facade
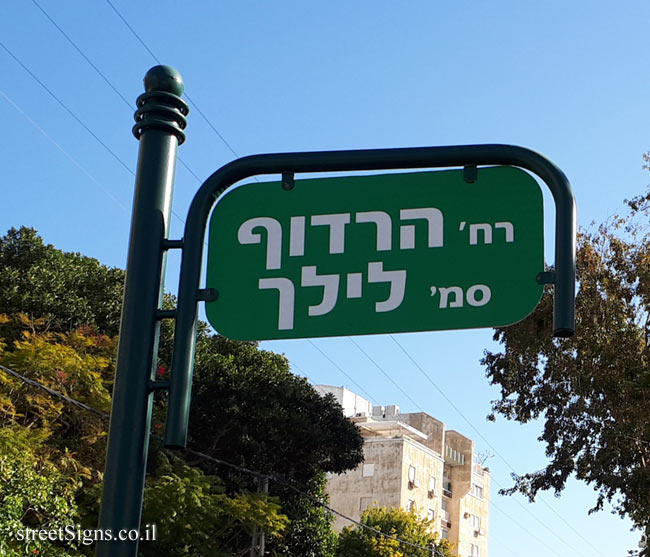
{"points": [[413, 462]]}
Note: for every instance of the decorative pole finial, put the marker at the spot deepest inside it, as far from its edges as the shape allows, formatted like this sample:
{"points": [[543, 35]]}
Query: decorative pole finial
{"points": [[161, 106]]}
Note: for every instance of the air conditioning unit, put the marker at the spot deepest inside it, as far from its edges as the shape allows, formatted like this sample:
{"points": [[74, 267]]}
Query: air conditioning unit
{"points": [[432, 493], [416, 482], [466, 515], [411, 484], [479, 532]]}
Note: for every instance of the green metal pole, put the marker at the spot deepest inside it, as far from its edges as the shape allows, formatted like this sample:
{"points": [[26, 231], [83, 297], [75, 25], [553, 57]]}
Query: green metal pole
{"points": [[160, 120]]}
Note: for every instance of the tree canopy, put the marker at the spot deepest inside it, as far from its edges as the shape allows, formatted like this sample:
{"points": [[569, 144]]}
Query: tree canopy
{"points": [[592, 390], [407, 535], [248, 409], [67, 289]]}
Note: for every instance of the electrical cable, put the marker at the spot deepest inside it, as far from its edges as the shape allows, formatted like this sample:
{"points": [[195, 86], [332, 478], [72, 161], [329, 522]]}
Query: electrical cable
{"points": [[313, 499], [196, 107], [426, 375], [54, 393], [71, 113], [370, 398], [374, 362], [261, 475], [103, 76], [60, 148], [65, 107]]}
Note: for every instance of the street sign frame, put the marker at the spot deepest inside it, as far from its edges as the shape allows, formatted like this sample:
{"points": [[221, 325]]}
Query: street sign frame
{"points": [[289, 164]]}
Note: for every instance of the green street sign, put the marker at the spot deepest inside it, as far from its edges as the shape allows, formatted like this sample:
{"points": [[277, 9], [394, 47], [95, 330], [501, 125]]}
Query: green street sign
{"points": [[373, 254]]}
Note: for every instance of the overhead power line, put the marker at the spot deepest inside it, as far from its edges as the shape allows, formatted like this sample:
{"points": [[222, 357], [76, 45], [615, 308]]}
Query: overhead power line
{"points": [[103, 76], [76, 118], [194, 105], [337, 366], [67, 109], [274, 477], [54, 393], [81, 52], [60, 148], [475, 429]]}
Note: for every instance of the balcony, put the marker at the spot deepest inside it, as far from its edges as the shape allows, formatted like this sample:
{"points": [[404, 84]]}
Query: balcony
{"points": [[454, 457]]}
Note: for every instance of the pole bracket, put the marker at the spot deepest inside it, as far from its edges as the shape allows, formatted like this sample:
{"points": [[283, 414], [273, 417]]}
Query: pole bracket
{"points": [[546, 277], [207, 295], [158, 385], [470, 173], [165, 314], [172, 244], [288, 181]]}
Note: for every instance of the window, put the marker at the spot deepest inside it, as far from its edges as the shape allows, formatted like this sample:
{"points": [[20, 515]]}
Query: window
{"points": [[445, 512], [444, 534], [477, 490], [413, 482], [432, 483], [474, 550], [368, 470], [365, 503], [411, 473], [446, 486], [410, 505], [431, 514]]}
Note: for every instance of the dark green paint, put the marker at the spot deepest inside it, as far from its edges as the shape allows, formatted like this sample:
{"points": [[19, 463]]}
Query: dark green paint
{"points": [[503, 202], [160, 120], [348, 161]]}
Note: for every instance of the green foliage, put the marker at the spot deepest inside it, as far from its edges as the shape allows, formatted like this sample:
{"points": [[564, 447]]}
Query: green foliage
{"points": [[68, 289], [267, 418], [60, 308], [77, 364], [397, 523], [270, 420], [195, 517], [591, 390], [37, 490], [50, 452], [310, 532]]}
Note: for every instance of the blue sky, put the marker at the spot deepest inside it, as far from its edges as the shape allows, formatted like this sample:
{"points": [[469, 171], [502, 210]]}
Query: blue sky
{"points": [[564, 78]]}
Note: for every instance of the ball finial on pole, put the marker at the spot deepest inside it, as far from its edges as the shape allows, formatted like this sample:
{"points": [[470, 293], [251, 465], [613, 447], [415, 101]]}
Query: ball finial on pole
{"points": [[164, 78]]}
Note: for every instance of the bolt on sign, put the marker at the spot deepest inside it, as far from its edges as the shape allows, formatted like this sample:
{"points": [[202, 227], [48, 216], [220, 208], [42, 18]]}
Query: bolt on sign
{"points": [[373, 254]]}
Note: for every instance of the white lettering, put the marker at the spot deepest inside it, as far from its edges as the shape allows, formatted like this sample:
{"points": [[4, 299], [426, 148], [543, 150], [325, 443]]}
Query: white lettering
{"points": [[336, 223], [286, 300], [485, 291], [434, 220], [397, 280], [245, 235], [383, 224], [330, 284], [509, 228], [297, 236]]}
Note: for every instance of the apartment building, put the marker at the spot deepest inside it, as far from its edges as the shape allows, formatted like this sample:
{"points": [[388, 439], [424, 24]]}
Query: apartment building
{"points": [[413, 462]]}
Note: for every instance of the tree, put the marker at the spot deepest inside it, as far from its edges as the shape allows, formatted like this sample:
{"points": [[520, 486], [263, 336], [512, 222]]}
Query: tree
{"points": [[67, 289], [407, 535], [195, 517], [591, 390], [63, 305], [50, 451], [37, 490], [52, 457], [269, 420]]}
